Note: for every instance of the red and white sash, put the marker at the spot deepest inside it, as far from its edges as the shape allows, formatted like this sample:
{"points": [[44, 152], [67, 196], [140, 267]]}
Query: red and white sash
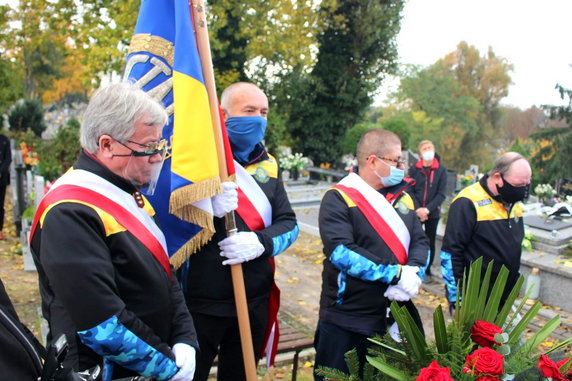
{"points": [[85, 187], [253, 205], [379, 213]]}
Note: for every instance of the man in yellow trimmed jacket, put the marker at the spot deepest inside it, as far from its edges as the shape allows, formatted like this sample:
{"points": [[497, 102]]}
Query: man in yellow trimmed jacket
{"points": [[485, 220]]}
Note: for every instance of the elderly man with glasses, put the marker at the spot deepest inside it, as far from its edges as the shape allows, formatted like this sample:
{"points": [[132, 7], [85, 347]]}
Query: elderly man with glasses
{"points": [[104, 273], [375, 251]]}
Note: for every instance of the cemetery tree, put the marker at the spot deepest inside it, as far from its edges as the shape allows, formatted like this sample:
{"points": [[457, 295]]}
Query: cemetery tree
{"points": [[485, 78], [355, 49], [401, 128], [35, 46], [27, 114], [552, 160], [444, 114], [11, 86]]}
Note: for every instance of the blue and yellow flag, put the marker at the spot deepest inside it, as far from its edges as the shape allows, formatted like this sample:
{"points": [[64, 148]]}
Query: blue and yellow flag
{"points": [[164, 61]]}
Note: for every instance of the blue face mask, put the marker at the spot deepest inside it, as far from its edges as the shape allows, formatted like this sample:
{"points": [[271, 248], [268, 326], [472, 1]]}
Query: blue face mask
{"points": [[244, 133], [395, 175]]}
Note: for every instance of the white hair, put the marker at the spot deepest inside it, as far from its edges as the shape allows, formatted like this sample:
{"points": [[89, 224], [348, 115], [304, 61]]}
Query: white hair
{"points": [[114, 110]]}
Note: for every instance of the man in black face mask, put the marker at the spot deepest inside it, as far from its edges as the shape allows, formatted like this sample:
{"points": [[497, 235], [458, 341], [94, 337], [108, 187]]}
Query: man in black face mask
{"points": [[485, 220]]}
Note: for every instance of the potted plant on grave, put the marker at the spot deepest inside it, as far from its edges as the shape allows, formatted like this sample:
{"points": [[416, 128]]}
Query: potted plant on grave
{"points": [[480, 343], [545, 193], [294, 163]]}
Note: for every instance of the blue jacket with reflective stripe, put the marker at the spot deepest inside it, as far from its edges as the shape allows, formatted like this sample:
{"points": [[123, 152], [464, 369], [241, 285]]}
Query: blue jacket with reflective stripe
{"points": [[359, 265]]}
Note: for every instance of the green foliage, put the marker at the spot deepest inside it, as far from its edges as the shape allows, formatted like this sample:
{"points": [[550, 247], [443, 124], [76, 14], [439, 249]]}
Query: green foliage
{"points": [[249, 36], [11, 87], [460, 95], [355, 50], [441, 112], [27, 114], [59, 153], [401, 128], [551, 161], [276, 132], [352, 360], [354, 135]]}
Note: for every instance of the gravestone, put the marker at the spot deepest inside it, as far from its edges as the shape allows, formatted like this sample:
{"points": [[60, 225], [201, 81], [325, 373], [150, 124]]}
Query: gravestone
{"points": [[451, 181], [552, 234], [564, 187]]}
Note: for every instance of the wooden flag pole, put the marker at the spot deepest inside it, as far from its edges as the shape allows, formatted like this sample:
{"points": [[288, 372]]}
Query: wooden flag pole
{"points": [[200, 24]]}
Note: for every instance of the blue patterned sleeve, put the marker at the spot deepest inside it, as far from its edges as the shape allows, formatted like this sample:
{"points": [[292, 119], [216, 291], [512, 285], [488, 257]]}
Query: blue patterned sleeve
{"points": [[283, 241], [353, 264], [117, 344], [448, 277], [422, 269]]}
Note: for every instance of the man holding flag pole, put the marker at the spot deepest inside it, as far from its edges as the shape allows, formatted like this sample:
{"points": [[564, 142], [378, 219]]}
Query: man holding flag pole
{"points": [[267, 226], [164, 60]]}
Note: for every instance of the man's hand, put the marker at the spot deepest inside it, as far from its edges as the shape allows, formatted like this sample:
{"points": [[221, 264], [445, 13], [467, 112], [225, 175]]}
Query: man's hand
{"points": [[186, 361], [422, 214], [241, 247], [410, 281], [396, 293], [227, 201]]}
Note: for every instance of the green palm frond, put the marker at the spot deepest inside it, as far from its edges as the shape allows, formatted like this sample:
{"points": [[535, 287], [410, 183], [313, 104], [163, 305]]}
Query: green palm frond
{"points": [[479, 301]]}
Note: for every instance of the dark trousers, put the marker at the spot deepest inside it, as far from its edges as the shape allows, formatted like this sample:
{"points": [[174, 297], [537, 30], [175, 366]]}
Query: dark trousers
{"points": [[220, 336], [2, 198], [332, 342], [431, 232]]}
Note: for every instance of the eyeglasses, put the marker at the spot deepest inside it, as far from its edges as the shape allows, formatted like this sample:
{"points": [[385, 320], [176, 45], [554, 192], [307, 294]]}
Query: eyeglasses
{"points": [[397, 162], [151, 149]]}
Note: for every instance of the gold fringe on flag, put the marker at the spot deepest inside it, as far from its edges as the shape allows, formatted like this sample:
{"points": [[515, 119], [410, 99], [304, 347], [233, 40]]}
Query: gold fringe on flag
{"points": [[181, 205], [181, 200], [191, 247]]}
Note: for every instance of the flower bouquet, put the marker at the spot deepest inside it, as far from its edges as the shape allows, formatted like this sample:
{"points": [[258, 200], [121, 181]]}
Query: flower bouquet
{"points": [[293, 163], [467, 179], [544, 191], [483, 342], [29, 156]]}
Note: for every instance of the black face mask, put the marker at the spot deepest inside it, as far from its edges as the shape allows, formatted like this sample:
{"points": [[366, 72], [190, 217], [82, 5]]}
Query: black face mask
{"points": [[511, 194]]}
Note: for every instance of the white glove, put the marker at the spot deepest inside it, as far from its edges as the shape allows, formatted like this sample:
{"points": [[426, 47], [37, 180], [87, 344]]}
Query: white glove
{"points": [[410, 281], [227, 201], [394, 332], [396, 293], [186, 361], [241, 247]]}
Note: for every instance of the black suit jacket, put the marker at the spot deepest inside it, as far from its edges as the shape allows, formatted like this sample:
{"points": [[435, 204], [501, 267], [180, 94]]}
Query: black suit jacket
{"points": [[5, 160]]}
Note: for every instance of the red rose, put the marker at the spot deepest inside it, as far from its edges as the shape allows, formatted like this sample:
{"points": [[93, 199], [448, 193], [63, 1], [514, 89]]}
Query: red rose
{"points": [[484, 361], [548, 368], [483, 333], [569, 374], [487, 378], [434, 373]]}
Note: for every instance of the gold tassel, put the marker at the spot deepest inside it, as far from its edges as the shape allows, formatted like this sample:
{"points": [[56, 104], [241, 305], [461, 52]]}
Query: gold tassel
{"points": [[191, 247], [182, 197]]}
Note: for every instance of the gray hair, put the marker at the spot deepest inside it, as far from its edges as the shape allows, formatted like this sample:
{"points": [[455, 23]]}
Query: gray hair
{"points": [[503, 163], [376, 142], [114, 110]]}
